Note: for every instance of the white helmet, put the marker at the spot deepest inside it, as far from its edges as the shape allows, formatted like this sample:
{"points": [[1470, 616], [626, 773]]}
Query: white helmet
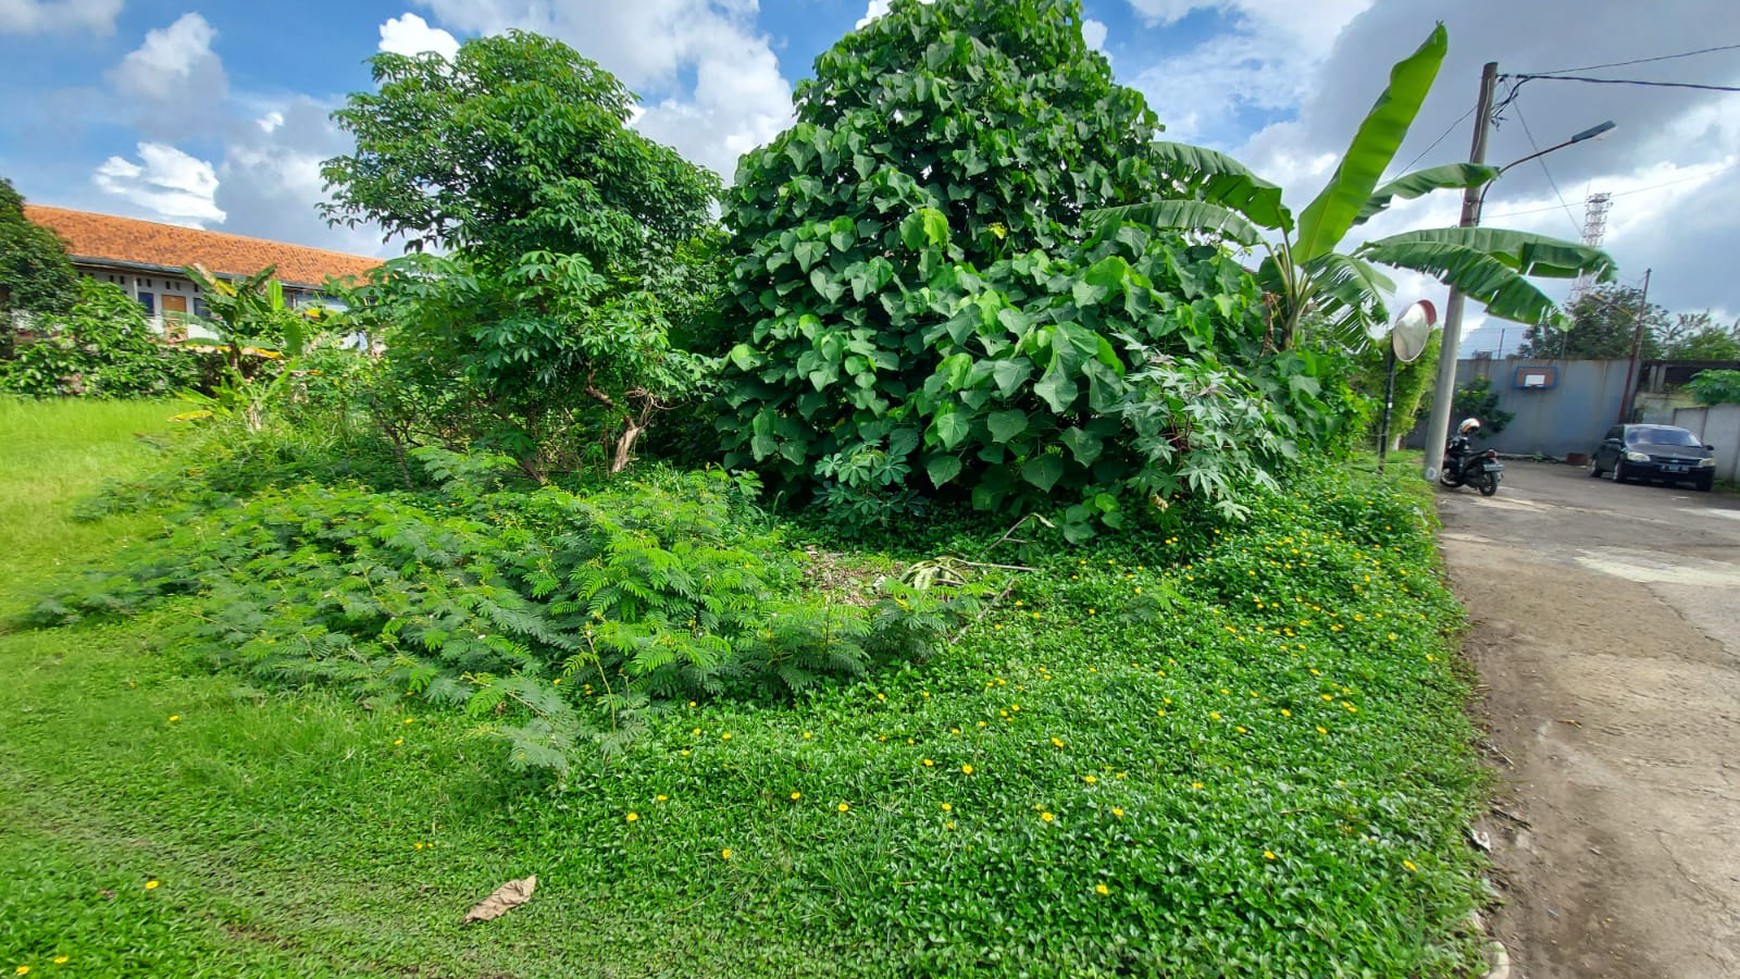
{"points": [[1468, 427]]}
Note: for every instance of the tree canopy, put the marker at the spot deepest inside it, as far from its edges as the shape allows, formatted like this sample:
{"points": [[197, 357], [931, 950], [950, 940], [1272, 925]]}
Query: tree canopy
{"points": [[517, 145], [1603, 327], [35, 275]]}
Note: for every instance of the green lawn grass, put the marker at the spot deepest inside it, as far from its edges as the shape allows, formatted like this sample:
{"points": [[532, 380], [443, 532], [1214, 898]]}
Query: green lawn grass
{"points": [[1247, 783]]}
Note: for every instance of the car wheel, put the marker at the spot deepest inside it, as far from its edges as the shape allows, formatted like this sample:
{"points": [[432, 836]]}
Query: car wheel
{"points": [[1595, 467], [1619, 470], [1703, 485]]}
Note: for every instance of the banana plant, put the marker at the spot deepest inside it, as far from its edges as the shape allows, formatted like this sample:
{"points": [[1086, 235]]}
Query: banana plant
{"points": [[1212, 193]]}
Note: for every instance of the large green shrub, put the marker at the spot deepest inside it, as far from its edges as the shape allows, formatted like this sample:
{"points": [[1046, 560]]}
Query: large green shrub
{"points": [[918, 306], [1715, 387], [102, 347]]}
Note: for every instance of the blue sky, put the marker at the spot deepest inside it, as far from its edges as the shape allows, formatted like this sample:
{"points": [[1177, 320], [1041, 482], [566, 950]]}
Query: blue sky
{"points": [[213, 112]]}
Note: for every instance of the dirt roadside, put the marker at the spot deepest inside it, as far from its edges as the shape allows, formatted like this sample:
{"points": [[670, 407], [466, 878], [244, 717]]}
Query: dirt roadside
{"points": [[1606, 630]]}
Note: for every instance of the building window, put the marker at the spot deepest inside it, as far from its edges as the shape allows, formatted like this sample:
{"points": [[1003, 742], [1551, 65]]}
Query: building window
{"points": [[200, 309], [148, 301]]}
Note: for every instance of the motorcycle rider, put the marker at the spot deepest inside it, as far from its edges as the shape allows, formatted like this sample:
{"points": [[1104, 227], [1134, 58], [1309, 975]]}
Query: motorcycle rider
{"points": [[1458, 451]]}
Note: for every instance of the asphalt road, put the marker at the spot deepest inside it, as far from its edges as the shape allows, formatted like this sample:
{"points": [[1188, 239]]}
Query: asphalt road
{"points": [[1606, 630]]}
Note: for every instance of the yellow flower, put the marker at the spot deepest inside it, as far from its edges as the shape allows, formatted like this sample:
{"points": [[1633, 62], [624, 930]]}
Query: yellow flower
{"points": [[1102, 889], [1214, 715], [947, 807], [1057, 742], [1089, 779], [151, 885], [398, 741], [795, 796], [1268, 854], [172, 719], [842, 807], [1160, 713], [21, 970], [1240, 729], [726, 736], [1410, 865], [1286, 713], [1118, 812], [691, 703], [631, 818], [954, 730], [1392, 637], [410, 720], [966, 769], [1326, 696], [60, 960], [1048, 817], [881, 696], [685, 752], [696, 732], [1321, 729], [928, 763], [1196, 785], [807, 735], [949, 825], [725, 854]]}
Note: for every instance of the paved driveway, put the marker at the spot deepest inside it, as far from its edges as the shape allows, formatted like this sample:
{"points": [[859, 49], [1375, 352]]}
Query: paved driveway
{"points": [[1607, 635]]}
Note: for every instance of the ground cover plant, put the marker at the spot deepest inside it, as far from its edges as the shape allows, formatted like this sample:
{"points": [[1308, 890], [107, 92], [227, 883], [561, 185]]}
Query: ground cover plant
{"points": [[1229, 749]]}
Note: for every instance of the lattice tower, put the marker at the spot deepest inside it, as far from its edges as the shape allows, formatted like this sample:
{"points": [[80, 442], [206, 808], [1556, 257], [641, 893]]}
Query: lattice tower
{"points": [[1594, 229]]}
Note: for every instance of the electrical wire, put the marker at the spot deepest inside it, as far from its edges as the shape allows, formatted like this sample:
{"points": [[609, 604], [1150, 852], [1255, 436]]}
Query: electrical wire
{"points": [[1451, 128], [1622, 193], [1625, 81], [1542, 160], [1642, 61]]}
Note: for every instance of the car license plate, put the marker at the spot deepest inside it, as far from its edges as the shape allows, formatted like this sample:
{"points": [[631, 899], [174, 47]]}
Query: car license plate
{"points": [[1673, 469], [1495, 467]]}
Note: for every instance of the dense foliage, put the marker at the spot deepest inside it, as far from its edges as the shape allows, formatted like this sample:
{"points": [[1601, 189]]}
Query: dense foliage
{"points": [[575, 245], [1697, 336], [918, 309], [495, 597], [1604, 326], [35, 274], [1716, 387], [1477, 399], [102, 347]]}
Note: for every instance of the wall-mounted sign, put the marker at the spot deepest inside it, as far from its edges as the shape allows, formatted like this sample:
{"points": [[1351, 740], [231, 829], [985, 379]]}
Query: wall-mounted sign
{"points": [[1537, 378]]}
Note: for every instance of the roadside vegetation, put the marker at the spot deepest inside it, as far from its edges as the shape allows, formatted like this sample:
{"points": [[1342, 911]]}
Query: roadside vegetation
{"points": [[942, 564]]}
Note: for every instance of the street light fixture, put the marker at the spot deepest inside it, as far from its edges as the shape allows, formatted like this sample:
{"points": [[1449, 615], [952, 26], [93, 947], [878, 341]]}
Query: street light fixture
{"points": [[1438, 425]]}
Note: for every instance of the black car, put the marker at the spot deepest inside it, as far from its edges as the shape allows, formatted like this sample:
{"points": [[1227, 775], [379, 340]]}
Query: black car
{"points": [[1654, 452]]}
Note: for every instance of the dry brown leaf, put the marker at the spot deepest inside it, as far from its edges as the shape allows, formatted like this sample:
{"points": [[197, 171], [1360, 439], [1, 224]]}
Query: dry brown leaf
{"points": [[506, 897]]}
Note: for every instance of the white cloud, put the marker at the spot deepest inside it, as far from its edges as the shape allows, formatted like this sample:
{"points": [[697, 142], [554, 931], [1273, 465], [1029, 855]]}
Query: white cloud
{"points": [[174, 66], [738, 99], [1094, 33], [166, 183], [55, 16], [412, 35], [270, 121], [876, 9], [1264, 60]]}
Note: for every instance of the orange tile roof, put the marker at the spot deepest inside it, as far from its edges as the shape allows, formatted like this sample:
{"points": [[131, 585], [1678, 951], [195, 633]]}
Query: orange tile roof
{"points": [[100, 238]]}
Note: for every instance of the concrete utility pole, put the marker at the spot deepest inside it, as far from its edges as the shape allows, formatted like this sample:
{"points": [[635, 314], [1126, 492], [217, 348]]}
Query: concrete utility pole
{"points": [[1625, 403], [1438, 427]]}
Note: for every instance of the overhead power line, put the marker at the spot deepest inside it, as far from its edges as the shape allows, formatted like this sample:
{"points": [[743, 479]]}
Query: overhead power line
{"points": [[1542, 160], [1625, 81], [1643, 61], [1448, 130], [1622, 193]]}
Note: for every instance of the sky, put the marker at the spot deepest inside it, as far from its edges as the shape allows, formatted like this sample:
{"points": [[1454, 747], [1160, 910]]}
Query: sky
{"points": [[214, 113]]}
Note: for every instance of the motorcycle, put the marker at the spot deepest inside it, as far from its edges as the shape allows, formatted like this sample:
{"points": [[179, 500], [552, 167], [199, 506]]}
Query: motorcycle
{"points": [[1463, 466]]}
